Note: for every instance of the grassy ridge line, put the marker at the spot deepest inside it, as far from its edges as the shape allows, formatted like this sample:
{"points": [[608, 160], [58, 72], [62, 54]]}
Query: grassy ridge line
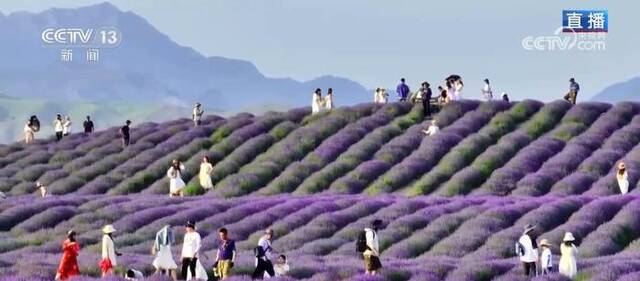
{"points": [[468, 149], [358, 153], [333, 147], [295, 146]]}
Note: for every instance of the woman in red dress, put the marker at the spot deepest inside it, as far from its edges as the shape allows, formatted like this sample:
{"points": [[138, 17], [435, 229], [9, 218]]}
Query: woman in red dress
{"points": [[69, 263]]}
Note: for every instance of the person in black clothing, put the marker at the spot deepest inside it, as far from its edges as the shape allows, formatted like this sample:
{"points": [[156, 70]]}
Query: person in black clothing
{"points": [[124, 132], [88, 125], [426, 98]]}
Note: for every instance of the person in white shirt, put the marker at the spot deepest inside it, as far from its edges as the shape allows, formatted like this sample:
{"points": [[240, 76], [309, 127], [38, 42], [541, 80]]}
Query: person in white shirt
{"points": [[433, 129], [568, 265], [546, 262], [281, 267], [328, 100], [371, 255], [623, 178], [109, 253], [58, 127], [316, 101], [527, 250], [196, 116], [190, 248], [176, 184], [66, 126], [487, 94], [264, 252]]}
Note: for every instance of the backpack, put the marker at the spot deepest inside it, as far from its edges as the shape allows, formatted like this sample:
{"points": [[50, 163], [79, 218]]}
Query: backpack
{"points": [[361, 242], [519, 249]]}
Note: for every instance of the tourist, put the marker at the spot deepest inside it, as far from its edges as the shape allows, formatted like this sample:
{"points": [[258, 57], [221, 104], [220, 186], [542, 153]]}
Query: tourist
{"points": [[487, 94], [569, 254], [205, 173], [58, 127], [574, 88], [281, 268], [66, 126], [176, 184], [29, 134], [88, 125], [316, 101], [527, 250], [133, 274], [328, 100], [196, 116], [125, 133], [425, 97], [42, 188], [402, 90], [381, 96], [623, 178], [546, 262], [505, 97], [163, 261], [226, 255], [433, 129], [190, 250], [69, 264], [371, 254], [443, 98], [264, 251], [109, 253]]}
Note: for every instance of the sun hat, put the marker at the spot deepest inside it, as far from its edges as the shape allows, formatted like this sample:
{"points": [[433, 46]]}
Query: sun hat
{"points": [[545, 242], [108, 229], [568, 237], [528, 228]]}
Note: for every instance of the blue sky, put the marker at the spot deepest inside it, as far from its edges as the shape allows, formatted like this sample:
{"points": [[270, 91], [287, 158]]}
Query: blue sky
{"points": [[376, 42]]}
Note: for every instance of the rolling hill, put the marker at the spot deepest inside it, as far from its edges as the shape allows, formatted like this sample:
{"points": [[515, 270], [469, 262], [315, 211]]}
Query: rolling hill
{"points": [[452, 203]]}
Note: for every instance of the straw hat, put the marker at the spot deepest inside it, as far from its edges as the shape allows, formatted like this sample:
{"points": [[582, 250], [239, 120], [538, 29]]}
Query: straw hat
{"points": [[108, 229], [545, 242], [621, 165], [528, 228], [568, 237]]}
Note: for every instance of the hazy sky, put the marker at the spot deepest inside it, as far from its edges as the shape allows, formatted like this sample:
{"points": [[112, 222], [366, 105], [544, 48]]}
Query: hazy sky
{"points": [[376, 42]]}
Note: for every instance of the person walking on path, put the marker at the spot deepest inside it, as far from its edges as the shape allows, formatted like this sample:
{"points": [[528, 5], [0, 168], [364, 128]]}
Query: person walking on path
{"points": [[623, 178], [190, 250], [569, 254], [88, 125], [206, 168], [574, 88], [527, 250], [58, 127], [196, 116], [226, 254], [125, 133], [163, 261], [403, 90], [487, 93], [264, 252], [69, 264], [109, 253], [371, 255], [176, 184]]}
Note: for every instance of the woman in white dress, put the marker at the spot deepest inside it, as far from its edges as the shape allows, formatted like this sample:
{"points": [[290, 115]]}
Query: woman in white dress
{"points": [[109, 253], [380, 96], [457, 85], [328, 100], [623, 178], [205, 173], [316, 101], [29, 133], [569, 254], [176, 184], [66, 126], [162, 250]]}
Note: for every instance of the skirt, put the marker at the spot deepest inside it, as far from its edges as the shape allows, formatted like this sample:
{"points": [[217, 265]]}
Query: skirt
{"points": [[176, 185], [105, 265], [164, 259], [205, 181]]}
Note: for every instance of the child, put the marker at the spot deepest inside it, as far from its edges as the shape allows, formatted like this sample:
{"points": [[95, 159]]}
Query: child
{"points": [[133, 274], [281, 267], [546, 262]]}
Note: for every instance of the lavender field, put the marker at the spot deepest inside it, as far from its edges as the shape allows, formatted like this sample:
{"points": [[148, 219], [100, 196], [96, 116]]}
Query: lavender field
{"points": [[452, 204]]}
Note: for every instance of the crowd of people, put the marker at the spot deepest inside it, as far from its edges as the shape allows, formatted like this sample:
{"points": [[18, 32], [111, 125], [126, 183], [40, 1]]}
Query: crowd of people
{"points": [[534, 264], [190, 256]]}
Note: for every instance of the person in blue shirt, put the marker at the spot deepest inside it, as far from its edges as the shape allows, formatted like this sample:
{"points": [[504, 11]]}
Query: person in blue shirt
{"points": [[402, 90]]}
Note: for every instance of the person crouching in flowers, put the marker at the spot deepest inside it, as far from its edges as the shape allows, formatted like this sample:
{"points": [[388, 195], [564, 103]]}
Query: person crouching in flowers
{"points": [[546, 262], [176, 184], [69, 263], [109, 252], [205, 173], [623, 178], [162, 250]]}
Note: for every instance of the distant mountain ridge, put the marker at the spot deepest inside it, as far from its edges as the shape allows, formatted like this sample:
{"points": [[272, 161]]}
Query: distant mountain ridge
{"points": [[146, 66], [622, 91]]}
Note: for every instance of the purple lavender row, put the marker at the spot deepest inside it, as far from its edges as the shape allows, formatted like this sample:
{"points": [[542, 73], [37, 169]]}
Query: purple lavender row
{"points": [[497, 155], [576, 151], [613, 236], [332, 147], [433, 148], [463, 153], [396, 150]]}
